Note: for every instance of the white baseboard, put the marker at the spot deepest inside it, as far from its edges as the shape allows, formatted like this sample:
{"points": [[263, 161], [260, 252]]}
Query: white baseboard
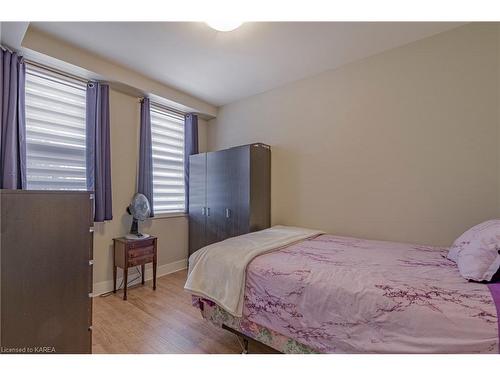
{"points": [[107, 286]]}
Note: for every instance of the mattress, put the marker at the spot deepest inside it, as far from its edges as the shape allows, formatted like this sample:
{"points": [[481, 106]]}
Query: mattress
{"points": [[334, 294]]}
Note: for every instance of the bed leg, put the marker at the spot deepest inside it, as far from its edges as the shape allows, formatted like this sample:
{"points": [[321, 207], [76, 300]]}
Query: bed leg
{"points": [[245, 346]]}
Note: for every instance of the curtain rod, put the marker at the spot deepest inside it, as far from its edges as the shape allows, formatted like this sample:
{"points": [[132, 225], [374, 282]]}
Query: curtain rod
{"points": [[54, 70], [69, 75], [80, 79], [163, 106], [5, 48]]}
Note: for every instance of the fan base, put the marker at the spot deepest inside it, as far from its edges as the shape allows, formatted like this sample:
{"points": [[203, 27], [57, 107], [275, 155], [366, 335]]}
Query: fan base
{"points": [[138, 236]]}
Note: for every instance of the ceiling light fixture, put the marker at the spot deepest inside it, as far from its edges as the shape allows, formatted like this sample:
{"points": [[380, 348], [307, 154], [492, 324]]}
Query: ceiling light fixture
{"points": [[224, 25]]}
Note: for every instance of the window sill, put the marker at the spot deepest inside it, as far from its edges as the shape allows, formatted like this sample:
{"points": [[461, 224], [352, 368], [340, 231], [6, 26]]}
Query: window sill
{"points": [[168, 215]]}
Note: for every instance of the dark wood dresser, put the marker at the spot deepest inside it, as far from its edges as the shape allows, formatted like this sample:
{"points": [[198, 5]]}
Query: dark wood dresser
{"points": [[46, 271]]}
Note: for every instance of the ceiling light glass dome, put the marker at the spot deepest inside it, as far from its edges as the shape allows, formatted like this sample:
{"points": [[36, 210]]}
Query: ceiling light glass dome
{"points": [[224, 25]]}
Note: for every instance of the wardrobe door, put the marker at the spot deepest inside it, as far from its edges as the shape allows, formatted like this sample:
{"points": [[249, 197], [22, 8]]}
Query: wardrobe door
{"points": [[237, 207], [218, 193], [197, 201], [260, 187]]}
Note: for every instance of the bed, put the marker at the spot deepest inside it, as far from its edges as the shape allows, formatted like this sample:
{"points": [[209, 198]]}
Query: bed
{"points": [[331, 294]]}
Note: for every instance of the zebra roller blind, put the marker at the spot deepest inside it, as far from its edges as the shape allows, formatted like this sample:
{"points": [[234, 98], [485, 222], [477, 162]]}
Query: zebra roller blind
{"points": [[167, 134], [55, 131]]}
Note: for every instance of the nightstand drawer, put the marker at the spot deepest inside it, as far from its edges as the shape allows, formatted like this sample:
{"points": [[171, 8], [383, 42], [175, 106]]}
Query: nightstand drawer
{"points": [[141, 260], [141, 243], [136, 253]]}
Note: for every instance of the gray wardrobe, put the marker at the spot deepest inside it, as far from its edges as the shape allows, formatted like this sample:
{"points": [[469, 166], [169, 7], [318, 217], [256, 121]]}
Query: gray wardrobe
{"points": [[229, 193]]}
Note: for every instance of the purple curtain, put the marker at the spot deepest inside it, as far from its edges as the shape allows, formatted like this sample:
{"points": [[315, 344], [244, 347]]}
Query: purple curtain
{"points": [[190, 148], [145, 180], [13, 121], [99, 150]]}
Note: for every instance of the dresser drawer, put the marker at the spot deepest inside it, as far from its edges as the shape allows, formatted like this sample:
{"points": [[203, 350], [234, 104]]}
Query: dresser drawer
{"points": [[141, 260], [143, 251], [141, 243]]}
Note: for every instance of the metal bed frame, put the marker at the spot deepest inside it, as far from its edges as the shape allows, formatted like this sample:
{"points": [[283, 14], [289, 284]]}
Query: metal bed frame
{"points": [[245, 340]]}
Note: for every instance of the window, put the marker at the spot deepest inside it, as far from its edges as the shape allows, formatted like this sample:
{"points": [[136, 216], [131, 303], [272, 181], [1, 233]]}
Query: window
{"points": [[167, 133], [55, 131]]}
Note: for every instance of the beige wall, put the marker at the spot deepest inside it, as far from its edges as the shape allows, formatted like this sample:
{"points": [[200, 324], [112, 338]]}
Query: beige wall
{"points": [[172, 232], [400, 146]]}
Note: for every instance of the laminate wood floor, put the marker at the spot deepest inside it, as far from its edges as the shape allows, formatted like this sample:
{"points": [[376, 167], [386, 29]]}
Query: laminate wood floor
{"points": [[161, 321]]}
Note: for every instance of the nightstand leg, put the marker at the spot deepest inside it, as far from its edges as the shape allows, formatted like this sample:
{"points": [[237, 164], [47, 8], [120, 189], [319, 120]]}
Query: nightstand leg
{"points": [[143, 269], [114, 279], [154, 274], [125, 282]]}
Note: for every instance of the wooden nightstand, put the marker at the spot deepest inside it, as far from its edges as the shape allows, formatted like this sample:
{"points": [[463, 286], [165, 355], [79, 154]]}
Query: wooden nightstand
{"points": [[130, 253]]}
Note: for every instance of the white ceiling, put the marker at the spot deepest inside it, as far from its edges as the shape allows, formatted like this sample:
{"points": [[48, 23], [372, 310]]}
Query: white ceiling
{"points": [[224, 67]]}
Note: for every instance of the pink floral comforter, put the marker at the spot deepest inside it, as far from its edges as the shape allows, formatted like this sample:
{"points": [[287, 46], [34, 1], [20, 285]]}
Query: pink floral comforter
{"points": [[347, 295]]}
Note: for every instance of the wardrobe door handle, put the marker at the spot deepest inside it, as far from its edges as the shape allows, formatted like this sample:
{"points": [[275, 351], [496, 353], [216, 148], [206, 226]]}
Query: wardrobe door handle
{"points": [[208, 211], [228, 213], [203, 211]]}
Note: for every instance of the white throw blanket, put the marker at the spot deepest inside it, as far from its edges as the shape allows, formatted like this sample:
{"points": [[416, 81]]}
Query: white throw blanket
{"points": [[218, 271]]}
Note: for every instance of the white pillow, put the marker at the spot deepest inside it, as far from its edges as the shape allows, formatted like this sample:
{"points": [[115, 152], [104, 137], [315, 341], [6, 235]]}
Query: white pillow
{"points": [[477, 251], [459, 243]]}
